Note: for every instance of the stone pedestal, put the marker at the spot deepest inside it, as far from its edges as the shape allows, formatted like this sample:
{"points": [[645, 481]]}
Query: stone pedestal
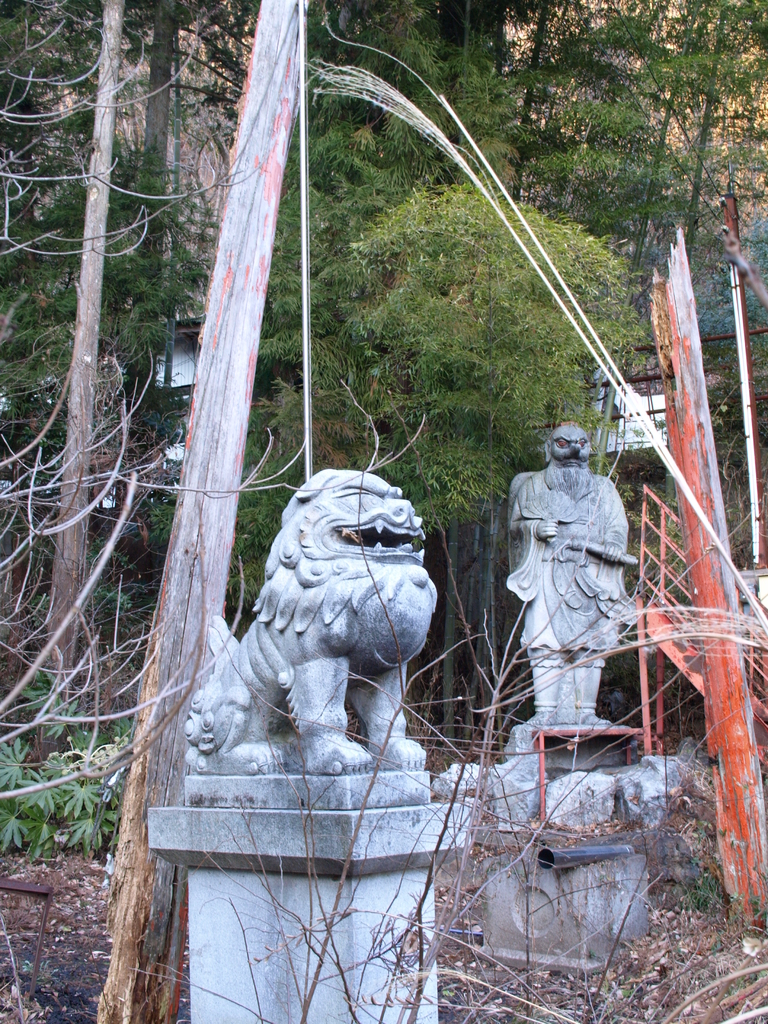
{"points": [[316, 904], [568, 919]]}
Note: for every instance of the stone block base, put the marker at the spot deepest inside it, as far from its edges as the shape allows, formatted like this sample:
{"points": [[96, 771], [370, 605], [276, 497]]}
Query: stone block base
{"points": [[296, 910], [567, 919], [309, 792], [262, 946]]}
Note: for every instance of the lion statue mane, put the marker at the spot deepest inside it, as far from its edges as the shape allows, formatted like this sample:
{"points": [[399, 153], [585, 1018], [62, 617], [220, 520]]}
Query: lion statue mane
{"points": [[345, 605]]}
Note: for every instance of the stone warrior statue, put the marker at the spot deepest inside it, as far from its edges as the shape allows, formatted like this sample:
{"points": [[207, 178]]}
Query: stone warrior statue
{"points": [[567, 544], [346, 603]]}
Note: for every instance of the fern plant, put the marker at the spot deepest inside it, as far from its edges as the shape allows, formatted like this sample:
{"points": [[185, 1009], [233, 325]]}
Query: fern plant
{"points": [[80, 812]]}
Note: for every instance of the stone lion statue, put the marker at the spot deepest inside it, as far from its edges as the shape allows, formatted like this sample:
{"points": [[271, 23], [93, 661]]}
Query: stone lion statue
{"points": [[345, 605]]}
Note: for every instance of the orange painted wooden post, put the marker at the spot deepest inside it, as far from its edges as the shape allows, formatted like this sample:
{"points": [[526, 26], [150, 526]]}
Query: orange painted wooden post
{"points": [[730, 731]]}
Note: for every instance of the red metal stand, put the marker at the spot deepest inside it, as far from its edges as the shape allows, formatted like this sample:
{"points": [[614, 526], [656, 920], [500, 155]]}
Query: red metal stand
{"points": [[41, 892], [574, 735]]}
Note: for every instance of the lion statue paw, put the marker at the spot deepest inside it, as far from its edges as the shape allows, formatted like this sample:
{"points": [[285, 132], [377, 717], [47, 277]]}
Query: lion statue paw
{"points": [[334, 755], [404, 754], [244, 759]]}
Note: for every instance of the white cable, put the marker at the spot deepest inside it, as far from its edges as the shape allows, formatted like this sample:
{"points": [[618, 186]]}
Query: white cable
{"points": [[746, 405], [353, 81], [306, 349]]}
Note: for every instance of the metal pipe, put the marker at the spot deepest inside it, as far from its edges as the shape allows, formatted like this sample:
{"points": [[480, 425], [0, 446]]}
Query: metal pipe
{"points": [[306, 350], [744, 350], [555, 860], [746, 403]]}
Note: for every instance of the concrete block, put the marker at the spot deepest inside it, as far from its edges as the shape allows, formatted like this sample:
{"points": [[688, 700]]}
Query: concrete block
{"points": [[362, 842], [258, 943], [565, 919], [311, 792], [581, 798], [298, 915]]}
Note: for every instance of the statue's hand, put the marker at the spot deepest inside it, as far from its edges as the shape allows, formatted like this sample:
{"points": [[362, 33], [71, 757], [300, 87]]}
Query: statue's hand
{"points": [[613, 552], [545, 529]]}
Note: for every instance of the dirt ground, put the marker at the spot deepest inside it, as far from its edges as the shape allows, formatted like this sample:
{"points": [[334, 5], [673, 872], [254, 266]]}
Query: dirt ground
{"points": [[694, 938], [77, 946]]}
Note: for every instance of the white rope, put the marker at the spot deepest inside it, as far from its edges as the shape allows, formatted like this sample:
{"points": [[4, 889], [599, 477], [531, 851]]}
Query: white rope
{"points": [[356, 82], [306, 349]]}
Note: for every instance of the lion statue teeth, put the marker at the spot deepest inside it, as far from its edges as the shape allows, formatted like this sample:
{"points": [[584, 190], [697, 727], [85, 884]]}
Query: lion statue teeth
{"points": [[346, 603]]}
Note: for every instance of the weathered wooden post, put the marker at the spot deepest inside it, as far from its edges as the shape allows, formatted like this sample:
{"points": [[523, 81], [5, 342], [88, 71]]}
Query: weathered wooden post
{"points": [[69, 561], [730, 730], [147, 894]]}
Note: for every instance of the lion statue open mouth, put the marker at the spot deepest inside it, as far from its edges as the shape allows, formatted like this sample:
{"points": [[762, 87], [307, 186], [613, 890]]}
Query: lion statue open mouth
{"points": [[345, 605]]}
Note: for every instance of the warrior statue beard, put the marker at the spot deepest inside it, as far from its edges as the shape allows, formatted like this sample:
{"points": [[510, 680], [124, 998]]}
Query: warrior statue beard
{"points": [[573, 481]]}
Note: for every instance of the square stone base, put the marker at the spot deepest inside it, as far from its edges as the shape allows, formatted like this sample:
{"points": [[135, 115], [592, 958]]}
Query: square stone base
{"points": [[309, 915], [262, 946], [567, 919], [308, 792]]}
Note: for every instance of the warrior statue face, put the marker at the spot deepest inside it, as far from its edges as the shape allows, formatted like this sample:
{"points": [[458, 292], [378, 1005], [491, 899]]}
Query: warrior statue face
{"points": [[568, 446], [567, 452]]}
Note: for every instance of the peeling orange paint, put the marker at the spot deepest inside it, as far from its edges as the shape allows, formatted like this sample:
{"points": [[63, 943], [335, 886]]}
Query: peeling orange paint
{"points": [[275, 165], [262, 277], [225, 286], [191, 420], [727, 706]]}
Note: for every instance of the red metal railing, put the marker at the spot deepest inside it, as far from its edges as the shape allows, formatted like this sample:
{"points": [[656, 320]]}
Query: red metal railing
{"points": [[662, 594], [662, 560], [663, 600]]}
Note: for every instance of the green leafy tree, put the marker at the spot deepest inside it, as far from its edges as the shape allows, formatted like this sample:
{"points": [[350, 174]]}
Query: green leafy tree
{"points": [[445, 321]]}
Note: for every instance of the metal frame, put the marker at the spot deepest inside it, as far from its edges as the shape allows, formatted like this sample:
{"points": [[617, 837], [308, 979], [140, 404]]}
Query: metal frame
{"points": [[663, 585], [44, 892], [579, 734]]}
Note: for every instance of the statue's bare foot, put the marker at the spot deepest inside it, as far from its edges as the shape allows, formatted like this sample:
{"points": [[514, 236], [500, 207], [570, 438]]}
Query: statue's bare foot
{"points": [[404, 754], [328, 753], [542, 718], [590, 720]]}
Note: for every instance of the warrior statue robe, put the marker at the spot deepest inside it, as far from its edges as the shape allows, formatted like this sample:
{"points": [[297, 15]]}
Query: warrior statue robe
{"points": [[575, 596]]}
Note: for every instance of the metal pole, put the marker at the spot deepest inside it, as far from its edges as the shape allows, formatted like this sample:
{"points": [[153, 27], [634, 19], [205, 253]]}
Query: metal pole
{"points": [[749, 407], [306, 350]]}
